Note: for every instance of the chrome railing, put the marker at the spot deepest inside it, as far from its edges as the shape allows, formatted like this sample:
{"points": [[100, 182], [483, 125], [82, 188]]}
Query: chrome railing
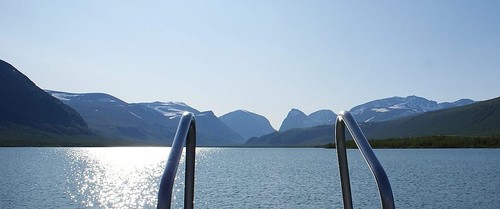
{"points": [[186, 133], [345, 119]]}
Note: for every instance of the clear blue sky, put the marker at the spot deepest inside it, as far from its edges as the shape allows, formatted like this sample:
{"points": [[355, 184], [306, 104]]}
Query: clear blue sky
{"points": [[263, 56]]}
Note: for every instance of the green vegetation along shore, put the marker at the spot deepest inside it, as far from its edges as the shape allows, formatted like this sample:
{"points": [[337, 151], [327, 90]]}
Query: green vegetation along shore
{"points": [[432, 142]]}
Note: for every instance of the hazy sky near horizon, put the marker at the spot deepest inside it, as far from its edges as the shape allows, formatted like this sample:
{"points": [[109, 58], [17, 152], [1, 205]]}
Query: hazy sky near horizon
{"points": [[263, 56]]}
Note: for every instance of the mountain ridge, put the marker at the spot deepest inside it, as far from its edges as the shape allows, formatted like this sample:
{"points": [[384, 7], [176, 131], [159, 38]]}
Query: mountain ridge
{"points": [[298, 119], [397, 107], [149, 123], [247, 124], [477, 119], [156, 121]]}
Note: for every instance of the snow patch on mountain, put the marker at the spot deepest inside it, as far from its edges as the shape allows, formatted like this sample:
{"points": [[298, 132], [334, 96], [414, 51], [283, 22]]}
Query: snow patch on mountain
{"points": [[397, 107], [170, 110], [368, 120], [63, 96], [136, 115], [380, 110]]}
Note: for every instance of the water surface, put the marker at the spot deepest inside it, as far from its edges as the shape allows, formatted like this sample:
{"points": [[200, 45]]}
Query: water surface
{"points": [[245, 178]]}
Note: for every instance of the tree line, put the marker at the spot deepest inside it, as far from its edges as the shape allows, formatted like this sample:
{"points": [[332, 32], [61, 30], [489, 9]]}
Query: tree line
{"points": [[431, 142]]}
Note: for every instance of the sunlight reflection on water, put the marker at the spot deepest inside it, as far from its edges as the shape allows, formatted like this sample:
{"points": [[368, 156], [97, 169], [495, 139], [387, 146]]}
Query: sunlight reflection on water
{"points": [[245, 178], [119, 177]]}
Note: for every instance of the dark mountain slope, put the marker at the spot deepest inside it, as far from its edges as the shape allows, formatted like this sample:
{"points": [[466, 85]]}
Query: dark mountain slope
{"points": [[478, 119], [24, 104], [314, 136]]}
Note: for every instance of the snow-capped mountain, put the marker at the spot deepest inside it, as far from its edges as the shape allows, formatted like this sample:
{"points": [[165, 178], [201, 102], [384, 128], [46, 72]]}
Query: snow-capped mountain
{"points": [[298, 119], [170, 109], [113, 118], [154, 122], [397, 107], [247, 124], [211, 130]]}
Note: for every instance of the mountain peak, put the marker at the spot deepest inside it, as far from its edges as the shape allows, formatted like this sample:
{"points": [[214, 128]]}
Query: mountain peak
{"points": [[298, 119], [247, 124], [323, 117], [244, 111], [296, 113], [396, 107]]}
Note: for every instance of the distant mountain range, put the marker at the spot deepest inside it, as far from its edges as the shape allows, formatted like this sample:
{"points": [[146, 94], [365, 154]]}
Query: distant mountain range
{"points": [[153, 123], [476, 119], [31, 116], [374, 111], [398, 107], [298, 119], [111, 117]]}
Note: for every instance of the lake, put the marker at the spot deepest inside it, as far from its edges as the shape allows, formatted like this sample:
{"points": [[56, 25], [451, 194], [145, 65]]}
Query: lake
{"points": [[246, 178]]}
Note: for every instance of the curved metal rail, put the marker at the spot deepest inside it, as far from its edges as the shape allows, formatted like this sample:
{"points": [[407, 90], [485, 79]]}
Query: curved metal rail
{"points": [[186, 133], [345, 119]]}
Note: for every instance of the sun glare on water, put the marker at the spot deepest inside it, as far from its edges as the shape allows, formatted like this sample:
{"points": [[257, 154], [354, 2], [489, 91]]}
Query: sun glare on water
{"points": [[116, 177]]}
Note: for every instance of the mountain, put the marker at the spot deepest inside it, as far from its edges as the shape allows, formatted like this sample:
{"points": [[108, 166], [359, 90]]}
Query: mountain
{"points": [[211, 131], [215, 131], [477, 119], [322, 117], [26, 107], [312, 136], [298, 119], [398, 107], [247, 124], [146, 123], [111, 117], [295, 119], [170, 109]]}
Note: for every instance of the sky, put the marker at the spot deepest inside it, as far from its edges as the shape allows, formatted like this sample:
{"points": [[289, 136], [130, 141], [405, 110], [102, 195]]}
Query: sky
{"points": [[266, 57]]}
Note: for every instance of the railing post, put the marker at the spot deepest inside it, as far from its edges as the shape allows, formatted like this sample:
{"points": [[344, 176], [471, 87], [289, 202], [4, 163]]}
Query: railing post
{"points": [[342, 161], [190, 164], [345, 120], [186, 133]]}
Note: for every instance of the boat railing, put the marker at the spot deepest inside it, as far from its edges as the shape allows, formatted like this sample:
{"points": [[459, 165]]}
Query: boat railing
{"points": [[346, 120], [186, 133]]}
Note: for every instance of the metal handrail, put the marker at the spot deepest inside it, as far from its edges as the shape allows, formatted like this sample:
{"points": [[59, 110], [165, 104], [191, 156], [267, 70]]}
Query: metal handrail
{"points": [[345, 119], [186, 133]]}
